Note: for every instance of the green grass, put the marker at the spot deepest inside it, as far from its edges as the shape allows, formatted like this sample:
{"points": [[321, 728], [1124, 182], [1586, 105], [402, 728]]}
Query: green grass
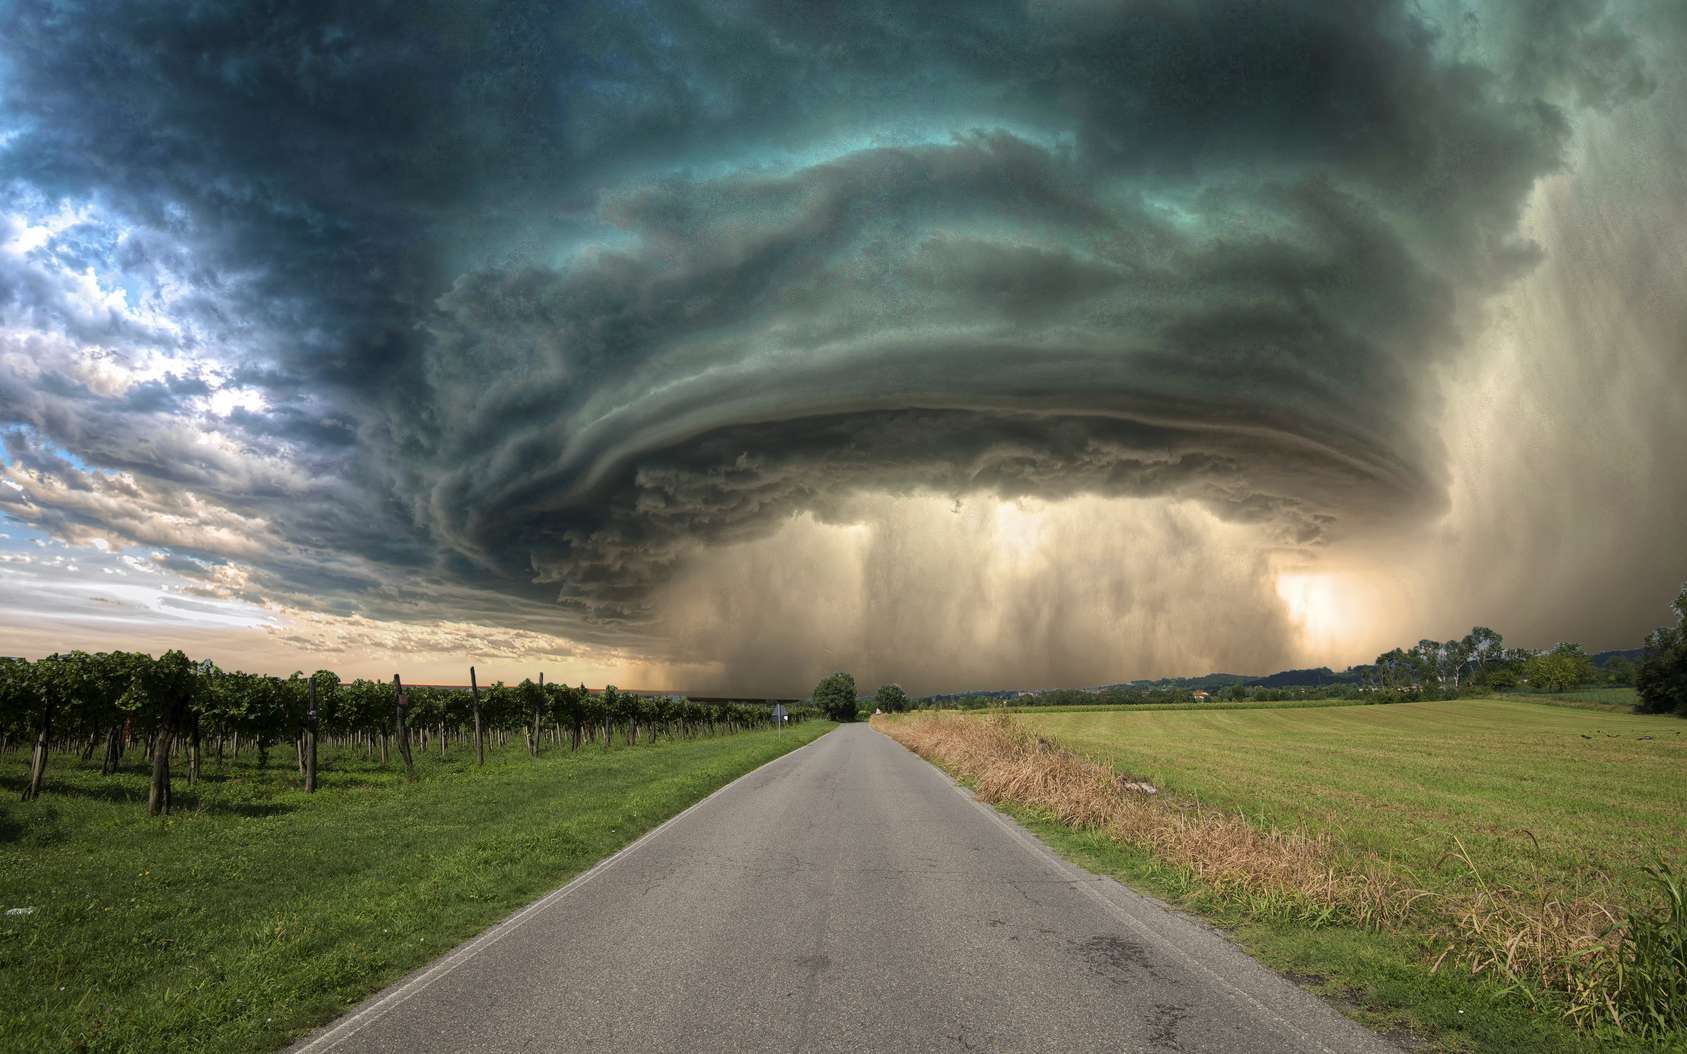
{"points": [[1615, 699], [1403, 780], [1378, 979], [257, 912], [1555, 801], [1093, 708]]}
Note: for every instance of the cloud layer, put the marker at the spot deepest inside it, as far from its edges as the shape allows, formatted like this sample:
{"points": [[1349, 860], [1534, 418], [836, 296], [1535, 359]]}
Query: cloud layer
{"points": [[512, 315]]}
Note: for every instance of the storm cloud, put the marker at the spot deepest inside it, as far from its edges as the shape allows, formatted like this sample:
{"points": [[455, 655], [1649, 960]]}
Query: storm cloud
{"points": [[510, 313]]}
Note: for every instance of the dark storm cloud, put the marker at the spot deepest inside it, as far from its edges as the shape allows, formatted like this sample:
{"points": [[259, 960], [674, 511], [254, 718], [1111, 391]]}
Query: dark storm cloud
{"points": [[538, 301]]}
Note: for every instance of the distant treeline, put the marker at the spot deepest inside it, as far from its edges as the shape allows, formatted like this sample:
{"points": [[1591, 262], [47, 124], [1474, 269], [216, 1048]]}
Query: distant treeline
{"points": [[1477, 663], [113, 702]]}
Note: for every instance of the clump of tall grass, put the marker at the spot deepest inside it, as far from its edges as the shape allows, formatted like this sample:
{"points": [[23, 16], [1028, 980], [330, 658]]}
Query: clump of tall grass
{"points": [[1652, 961], [1578, 954]]}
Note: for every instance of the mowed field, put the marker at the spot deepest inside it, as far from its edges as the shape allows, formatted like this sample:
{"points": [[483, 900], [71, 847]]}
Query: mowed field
{"points": [[1544, 798]]}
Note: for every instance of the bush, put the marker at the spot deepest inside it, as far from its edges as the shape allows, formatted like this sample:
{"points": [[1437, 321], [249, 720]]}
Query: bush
{"points": [[835, 696], [1502, 679]]}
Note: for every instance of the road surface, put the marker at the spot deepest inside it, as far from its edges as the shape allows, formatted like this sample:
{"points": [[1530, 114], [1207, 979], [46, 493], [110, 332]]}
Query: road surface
{"points": [[846, 897]]}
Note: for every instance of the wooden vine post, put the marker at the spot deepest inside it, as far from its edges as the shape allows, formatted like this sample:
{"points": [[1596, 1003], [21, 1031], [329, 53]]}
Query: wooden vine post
{"points": [[401, 731], [538, 701], [193, 748], [38, 756], [310, 740], [479, 737]]}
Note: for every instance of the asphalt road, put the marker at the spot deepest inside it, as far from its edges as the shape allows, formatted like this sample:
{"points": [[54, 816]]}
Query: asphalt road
{"points": [[846, 897]]}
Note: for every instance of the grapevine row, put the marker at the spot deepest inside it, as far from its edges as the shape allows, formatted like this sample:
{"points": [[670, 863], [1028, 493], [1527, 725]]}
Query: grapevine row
{"points": [[110, 702]]}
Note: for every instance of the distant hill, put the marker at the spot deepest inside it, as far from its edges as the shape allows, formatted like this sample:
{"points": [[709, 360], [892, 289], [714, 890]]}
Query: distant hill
{"points": [[1313, 678], [1206, 683], [1604, 658], [993, 693]]}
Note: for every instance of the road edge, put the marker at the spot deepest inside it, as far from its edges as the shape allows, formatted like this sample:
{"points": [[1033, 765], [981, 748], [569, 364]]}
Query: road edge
{"points": [[1253, 982], [382, 1002]]}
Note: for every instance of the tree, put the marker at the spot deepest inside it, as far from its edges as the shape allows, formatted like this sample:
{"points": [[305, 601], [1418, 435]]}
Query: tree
{"points": [[892, 699], [1426, 658], [1483, 649], [1661, 680], [1564, 667], [1393, 670], [1454, 655], [835, 696]]}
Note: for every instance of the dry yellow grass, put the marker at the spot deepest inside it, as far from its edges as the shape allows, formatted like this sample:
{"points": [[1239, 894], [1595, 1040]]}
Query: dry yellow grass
{"points": [[1568, 948]]}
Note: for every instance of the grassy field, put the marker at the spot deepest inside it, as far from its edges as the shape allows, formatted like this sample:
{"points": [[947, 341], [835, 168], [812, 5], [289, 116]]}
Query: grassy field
{"points": [[1612, 698], [257, 912], [1114, 708], [1546, 799], [1351, 846]]}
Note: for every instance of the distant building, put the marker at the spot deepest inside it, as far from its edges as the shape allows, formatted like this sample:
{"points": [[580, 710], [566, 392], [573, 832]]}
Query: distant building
{"points": [[1200, 696]]}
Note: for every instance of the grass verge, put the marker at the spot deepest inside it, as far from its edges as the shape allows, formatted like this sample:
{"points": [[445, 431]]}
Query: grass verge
{"points": [[257, 912], [1418, 948]]}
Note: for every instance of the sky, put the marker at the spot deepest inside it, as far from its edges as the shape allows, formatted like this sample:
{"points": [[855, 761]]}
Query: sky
{"points": [[717, 346]]}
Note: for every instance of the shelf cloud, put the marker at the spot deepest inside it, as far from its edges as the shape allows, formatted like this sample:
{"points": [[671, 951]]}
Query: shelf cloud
{"points": [[535, 318]]}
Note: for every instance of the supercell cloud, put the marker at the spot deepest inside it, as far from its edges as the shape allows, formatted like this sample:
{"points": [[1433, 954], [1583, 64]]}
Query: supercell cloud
{"points": [[506, 314]]}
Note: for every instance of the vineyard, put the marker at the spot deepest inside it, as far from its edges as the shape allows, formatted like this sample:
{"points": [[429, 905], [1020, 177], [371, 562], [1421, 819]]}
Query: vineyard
{"points": [[177, 714]]}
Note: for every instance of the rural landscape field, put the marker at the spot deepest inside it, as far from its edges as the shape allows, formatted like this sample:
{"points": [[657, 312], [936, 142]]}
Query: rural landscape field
{"points": [[676, 526], [257, 909], [1501, 843]]}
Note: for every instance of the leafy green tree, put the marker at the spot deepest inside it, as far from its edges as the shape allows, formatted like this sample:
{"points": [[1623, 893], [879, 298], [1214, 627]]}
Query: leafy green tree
{"points": [[835, 696], [892, 699], [1483, 649], [1426, 661], [1393, 670], [1661, 680], [1564, 667]]}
